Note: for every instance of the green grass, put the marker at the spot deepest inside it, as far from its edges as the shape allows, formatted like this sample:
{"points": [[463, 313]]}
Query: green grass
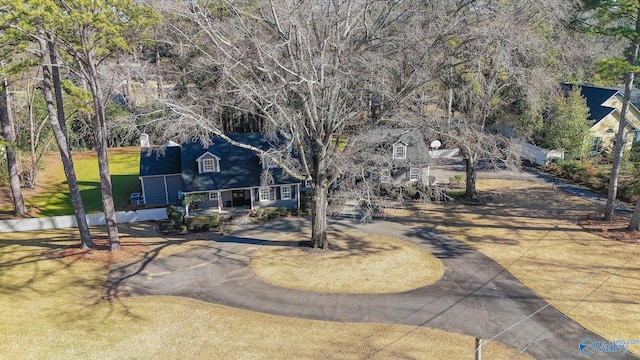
{"points": [[52, 196]]}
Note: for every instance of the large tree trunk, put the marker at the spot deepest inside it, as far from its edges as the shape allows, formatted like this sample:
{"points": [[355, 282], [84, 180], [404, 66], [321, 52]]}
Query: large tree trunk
{"points": [[319, 202], [59, 131], [103, 157], [319, 215], [634, 224], [620, 136], [618, 150], [470, 184], [6, 118]]}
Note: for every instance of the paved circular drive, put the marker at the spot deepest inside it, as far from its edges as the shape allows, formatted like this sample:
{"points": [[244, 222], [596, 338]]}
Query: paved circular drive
{"points": [[475, 296]]}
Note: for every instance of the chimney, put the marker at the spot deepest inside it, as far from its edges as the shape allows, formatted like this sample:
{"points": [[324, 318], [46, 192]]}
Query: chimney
{"points": [[144, 141]]}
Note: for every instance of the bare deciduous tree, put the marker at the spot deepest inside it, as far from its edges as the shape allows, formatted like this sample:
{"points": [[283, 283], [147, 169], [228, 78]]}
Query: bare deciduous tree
{"points": [[499, 72], [306, 68]]}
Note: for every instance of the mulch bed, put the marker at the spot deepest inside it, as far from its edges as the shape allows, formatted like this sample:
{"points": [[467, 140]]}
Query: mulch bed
{"points": [[131, 250], [614, 230]]}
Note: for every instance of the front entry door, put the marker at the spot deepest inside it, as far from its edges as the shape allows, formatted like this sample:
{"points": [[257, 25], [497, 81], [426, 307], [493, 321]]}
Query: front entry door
{"points": [[238, 197]]}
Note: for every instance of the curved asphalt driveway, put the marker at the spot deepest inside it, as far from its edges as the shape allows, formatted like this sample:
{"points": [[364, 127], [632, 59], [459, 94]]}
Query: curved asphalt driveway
{"points": [[475, 296]]}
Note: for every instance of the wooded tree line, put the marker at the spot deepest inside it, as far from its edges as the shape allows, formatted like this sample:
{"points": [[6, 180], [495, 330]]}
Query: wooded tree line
{"points": [[312, 72]]}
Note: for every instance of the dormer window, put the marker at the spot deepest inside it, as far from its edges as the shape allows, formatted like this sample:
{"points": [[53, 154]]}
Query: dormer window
{"points": [[399, 151], [208, 163]]}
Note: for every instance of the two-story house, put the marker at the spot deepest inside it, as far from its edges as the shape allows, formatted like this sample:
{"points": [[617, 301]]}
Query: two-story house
{"points": [[223, 176], [410, 156]]}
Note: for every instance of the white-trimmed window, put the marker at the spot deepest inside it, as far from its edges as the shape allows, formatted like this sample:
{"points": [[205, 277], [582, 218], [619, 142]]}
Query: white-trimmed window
{"points": [[208, 162], [264, 194], [208, 165], [414, 174], [400, 151], [213, 195], [285, 192]]}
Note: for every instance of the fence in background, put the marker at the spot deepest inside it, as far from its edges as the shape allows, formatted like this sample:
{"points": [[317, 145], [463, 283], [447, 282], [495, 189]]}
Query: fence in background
{"points": [[535, 154], [69, 221], [445, 153]]}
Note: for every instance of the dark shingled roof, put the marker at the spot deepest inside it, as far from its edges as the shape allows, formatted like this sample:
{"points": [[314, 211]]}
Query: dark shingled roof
{"points": [[157, 162], [595, 97], [635, 96], [417, 150], [239, 168]]}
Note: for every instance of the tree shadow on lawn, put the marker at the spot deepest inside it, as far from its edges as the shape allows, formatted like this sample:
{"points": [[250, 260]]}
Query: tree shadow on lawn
{"points": [[55, 257], [61, 243], [619, 287], [513, 215], [538, 202], [121, 185], [343, 241]]}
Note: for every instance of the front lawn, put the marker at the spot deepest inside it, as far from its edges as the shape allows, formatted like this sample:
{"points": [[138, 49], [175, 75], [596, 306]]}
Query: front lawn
{"points": [[357, 264], [53, 309], [531, 229]]}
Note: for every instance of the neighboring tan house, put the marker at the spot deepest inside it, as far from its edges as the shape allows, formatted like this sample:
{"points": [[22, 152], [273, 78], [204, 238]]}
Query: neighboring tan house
{"points": [[605, 107], [410, 156], [223, 176]]}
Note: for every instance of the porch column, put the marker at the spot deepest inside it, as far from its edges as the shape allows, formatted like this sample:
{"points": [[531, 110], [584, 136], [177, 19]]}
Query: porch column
{"points": [[298, 195], [252, 197], [219, 202]]}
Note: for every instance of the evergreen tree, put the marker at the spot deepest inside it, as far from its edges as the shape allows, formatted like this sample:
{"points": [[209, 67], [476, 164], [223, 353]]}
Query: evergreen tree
{"points": [[567, 125], [88, 33]]}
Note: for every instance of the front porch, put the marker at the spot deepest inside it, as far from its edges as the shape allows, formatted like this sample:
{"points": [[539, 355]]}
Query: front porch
{"points": [[243, 200]]}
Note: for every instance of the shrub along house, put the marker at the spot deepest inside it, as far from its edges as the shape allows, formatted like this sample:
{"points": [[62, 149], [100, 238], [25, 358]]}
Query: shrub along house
{"points": [[222, 177]]}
